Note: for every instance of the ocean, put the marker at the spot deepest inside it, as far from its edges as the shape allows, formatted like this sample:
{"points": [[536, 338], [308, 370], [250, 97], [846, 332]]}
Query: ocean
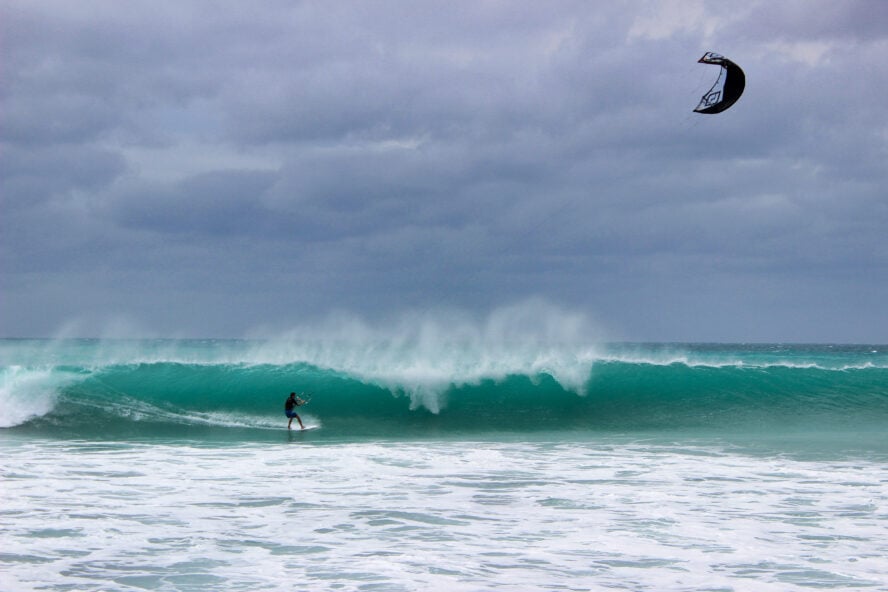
{"points": [[457, 463]]}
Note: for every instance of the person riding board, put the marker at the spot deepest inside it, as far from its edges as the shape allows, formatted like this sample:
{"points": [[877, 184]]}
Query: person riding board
{"points": [[290, 409]]}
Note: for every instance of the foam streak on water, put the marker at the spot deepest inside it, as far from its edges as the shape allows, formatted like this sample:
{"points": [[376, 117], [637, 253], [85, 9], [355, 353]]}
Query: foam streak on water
{"points": [[544, 515]]}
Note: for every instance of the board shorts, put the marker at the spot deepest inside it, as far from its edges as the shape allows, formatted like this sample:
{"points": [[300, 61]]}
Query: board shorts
{"points": [[290, 413]]}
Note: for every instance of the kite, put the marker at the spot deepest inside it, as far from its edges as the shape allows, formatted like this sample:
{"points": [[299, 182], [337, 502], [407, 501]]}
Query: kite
{"points": [[726, 90]]}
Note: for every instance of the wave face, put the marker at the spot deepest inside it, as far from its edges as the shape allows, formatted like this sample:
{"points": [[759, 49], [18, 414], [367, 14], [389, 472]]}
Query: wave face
{"points": [[422, 387]]}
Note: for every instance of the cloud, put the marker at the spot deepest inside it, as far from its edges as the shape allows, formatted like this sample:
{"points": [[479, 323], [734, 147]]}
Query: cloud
{"points": [[239, 165], [217, 203]]}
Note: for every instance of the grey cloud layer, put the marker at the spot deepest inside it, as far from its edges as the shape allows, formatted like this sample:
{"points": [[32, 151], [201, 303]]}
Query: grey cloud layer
{"points": [[208, 167]]}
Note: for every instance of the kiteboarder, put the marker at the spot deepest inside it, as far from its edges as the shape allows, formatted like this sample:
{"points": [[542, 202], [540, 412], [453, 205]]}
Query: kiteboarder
{"points": [[290, 409]]}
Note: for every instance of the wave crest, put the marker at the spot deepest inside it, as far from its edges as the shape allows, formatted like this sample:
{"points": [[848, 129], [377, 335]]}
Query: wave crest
{"points": [[26, 393]]}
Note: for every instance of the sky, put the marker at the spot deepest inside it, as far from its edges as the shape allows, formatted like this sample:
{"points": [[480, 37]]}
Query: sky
{"points": [[232, 169]]}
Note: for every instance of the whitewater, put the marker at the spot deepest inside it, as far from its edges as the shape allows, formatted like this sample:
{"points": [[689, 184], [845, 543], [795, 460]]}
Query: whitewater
{"points": [[444, 457]]}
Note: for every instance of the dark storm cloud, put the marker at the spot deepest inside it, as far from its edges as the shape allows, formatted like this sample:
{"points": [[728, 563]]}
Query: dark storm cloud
{"points": [[208, 167], [77, 74], [217, 203], [854, 21], [425, 71], [26, 179]]}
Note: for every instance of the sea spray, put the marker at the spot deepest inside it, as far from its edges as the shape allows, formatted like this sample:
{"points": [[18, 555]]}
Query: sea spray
{"points": [[423, 355]]}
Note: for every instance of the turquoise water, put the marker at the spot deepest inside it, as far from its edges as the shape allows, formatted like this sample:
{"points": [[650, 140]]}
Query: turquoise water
{"points": [[235, 390], [442, 464]]}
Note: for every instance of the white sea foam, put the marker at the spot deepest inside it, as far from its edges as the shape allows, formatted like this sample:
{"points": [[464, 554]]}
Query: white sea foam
{"points": [[438, 516], [26, 393]]}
